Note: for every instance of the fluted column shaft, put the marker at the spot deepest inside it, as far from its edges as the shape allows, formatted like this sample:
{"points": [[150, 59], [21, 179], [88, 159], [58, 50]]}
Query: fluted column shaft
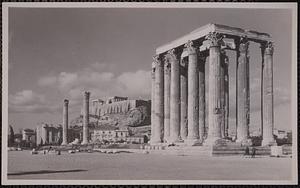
{"points": [[214, 99], [268, 108], [175, 97], [183, 98], [167, 79], [65, 122], [193, 96], [242, 91], [152, 99], [158, 102], [86, 118], [202, 59], [226, 90]]}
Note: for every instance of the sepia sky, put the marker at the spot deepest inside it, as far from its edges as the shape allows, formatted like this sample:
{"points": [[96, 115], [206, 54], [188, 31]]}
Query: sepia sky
{"points": [[57, 53]]}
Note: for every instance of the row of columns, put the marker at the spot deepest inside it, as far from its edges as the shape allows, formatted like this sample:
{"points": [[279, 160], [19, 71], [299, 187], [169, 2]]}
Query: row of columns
{"points": [[178, 93]]}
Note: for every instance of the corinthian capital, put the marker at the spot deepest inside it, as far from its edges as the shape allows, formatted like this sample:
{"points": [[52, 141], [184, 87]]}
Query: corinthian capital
{"points": [[189, 46], [66, 101], [243, 44], [269, 48], [87, 95], [171, 56], [216, 39]]}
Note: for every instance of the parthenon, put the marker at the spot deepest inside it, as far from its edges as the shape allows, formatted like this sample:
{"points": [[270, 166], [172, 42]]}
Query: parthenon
{"points": [[178, 86]]}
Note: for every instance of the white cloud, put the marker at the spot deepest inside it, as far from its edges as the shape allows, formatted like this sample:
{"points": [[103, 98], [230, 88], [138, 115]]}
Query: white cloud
{"points": [[30, 102], [101, 84]]}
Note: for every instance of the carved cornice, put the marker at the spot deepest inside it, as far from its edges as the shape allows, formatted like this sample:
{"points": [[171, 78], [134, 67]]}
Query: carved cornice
{"points": [[215, 38], [243, 45], [189, 46]]}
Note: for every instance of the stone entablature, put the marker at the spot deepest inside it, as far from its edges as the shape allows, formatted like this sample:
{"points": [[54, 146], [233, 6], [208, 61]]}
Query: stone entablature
{"points": [[178, 113]]}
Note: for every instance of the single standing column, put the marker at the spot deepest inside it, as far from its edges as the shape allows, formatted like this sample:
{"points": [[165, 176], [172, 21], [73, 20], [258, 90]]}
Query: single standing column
{"points": [[175, 97], [268, 111], [158, 102], [202, 59], [214, 99], [183, 98], [226, 88], [86, 118], [50, 134], [152, 98], [167, 77], [242, 91], [65, 122], [193, 95]]}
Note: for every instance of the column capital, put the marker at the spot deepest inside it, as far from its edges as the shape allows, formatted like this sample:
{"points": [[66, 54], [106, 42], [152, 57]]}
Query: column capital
{"points": [[215, 38], [267, 48], [87, 94], [66, 101], [189, 47], [171, 56], [243, 44], [167, 67]]}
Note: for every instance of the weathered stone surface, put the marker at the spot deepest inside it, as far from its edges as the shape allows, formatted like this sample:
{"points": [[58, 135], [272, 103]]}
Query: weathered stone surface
{"points": [[183, 98], [167, 80], [242, 91], [268, 110], [86, 99], [201, 61], [65, 122], [193, 96]]}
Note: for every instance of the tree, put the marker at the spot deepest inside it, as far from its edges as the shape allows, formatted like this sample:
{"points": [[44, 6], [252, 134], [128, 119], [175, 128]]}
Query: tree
{"points": [[11, 137]]}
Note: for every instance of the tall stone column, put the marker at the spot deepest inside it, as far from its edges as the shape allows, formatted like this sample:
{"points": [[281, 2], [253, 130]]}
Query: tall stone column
{"points": [[158, 102], [214, 99], [85, 131], [175, 97], [167, 80], [268, 108], [193, 95], [183, 98], [65, 122], [152, 98], [202, 60], [50, 134], [223, 93], [242, 91], [226, 90]]}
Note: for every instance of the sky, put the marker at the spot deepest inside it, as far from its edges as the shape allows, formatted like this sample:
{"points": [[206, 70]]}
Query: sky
{"points": [[58, 53]]}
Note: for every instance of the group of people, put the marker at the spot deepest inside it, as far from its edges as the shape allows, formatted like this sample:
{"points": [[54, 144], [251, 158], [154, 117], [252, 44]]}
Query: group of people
{"points": [[253, 152]]}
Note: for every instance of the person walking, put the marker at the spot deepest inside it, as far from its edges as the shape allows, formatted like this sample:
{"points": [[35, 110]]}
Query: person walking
{"points": [[253, 152]]}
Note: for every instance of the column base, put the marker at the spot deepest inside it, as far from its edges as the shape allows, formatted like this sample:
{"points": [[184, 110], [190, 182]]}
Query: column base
{"points": [[84, 143], [269, 142], [245, 142], [155, 141], [63, 144], [192, 142], [175, 140]]}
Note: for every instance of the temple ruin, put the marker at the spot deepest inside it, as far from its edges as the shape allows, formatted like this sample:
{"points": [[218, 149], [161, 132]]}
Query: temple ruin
{"points": [[178, 86]]}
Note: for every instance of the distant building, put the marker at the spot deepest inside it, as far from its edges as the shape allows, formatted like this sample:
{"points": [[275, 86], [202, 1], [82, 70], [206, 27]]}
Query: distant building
{"points": [[48, 134], [29, 135]]}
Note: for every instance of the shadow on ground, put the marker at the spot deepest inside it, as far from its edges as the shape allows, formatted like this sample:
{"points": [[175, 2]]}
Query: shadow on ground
{"points": [[44, 172]]}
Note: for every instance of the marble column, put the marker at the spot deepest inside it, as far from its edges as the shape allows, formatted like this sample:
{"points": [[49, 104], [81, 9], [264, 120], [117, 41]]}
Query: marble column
{"points": [[167, 80], [65, 122], [222, 87], [152, 98], [202, 60], [226, 90], [268, 108], [183, 98], [193, 95], [85, 131], [242, 91], [158, 102], [214, 99], [175, 97], [50, 134]]}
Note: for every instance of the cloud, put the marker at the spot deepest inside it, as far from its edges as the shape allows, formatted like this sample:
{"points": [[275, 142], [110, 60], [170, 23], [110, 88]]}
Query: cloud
{"points": [[101, 84], [30, 102]]}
